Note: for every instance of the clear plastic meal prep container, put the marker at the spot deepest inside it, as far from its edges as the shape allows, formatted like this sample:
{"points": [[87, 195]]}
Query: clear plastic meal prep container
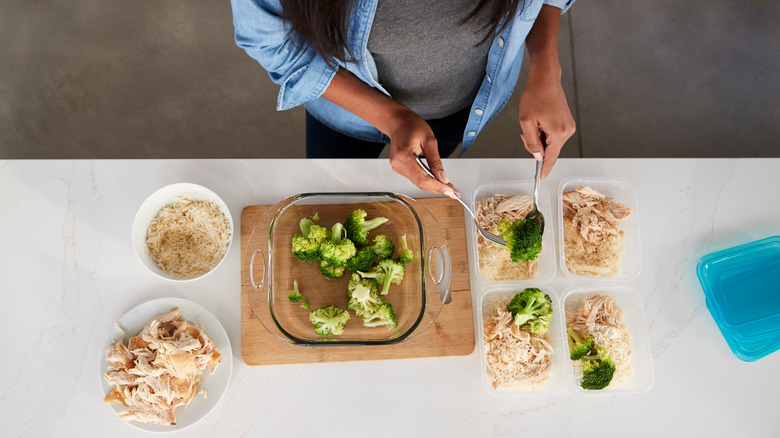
{"points": [[272, 268], [630, 300], [556, 381], [546, 258], [622, 192]]}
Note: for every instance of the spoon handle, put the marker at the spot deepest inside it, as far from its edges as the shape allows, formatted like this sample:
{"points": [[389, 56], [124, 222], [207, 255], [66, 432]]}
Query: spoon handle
{"points": [[537, 180], [487, 235], [421, 161]]}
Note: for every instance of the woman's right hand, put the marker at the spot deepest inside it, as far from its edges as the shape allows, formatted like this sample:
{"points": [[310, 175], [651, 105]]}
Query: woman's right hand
{"points": [[411, 136]]}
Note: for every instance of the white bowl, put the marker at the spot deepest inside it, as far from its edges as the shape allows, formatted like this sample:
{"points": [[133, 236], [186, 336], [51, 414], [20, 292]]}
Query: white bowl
{"points": [[152, 206]]}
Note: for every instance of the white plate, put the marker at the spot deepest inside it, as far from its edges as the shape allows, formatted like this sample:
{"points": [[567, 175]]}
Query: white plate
{"points": [[214, 385]]}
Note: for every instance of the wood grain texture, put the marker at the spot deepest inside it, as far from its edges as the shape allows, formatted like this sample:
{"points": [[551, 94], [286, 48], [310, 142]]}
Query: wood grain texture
{"points": [[451, 334]]}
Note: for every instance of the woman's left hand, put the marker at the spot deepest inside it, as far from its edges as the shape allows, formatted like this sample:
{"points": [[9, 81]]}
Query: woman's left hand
{"points": [[543, 108]]}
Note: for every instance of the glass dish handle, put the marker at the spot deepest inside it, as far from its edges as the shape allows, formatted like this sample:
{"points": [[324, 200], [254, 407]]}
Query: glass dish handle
{"points": [[440, 257], [252, 268]]}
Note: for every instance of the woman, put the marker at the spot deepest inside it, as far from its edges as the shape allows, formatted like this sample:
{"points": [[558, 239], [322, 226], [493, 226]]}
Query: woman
{"points": [[420, 75]]}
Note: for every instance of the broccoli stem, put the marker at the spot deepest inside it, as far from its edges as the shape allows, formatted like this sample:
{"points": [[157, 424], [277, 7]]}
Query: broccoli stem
{"points": [[528, 311], [373, 223], [338, 233], [574, 336], [305, 225]]}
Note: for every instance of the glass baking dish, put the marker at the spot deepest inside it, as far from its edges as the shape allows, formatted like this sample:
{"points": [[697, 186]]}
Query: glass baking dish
{"points": [[272, 268]]}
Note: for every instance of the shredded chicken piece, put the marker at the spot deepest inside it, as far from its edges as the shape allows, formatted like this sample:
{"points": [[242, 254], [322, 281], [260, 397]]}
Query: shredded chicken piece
{"points": [[593, 240], [604, 321], [514, 356], [159, 369], [495, 263]]}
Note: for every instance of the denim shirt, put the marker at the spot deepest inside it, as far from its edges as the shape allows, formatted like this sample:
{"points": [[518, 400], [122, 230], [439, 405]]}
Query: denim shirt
{"points": [[303, 75]]}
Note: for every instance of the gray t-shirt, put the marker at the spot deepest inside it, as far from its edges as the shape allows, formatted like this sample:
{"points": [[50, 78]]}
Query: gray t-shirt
{"points": [[426, 59]]}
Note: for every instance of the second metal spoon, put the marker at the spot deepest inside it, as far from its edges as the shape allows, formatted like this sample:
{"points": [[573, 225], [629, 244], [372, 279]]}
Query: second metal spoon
{"points": [[535, 215], [487, 235]]}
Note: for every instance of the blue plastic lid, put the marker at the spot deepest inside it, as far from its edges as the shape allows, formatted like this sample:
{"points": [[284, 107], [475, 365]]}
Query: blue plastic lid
{"points": [[742, 286]]}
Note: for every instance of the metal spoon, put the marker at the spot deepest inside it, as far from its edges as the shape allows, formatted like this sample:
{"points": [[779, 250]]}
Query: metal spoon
{"points": [[535, 215], [489, 236]]}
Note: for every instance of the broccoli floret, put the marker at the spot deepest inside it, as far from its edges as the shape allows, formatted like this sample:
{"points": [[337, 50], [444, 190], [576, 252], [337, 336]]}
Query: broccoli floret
{"points": [[533, 308], [294, 295], [305, 305], [363, 296], [358, 227], [362, 261], [383, 316], [405, 254], [338, 249], [329, 320], [383, 247], [523, 239], [387, 272], [306, 244], [597, 371], [331, 272], [578, 346]]}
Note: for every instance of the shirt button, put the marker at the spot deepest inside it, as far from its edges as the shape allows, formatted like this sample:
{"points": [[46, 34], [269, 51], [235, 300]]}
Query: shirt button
{"points": [[500, 41], [472, 133], [478, 111], [488, 78]]}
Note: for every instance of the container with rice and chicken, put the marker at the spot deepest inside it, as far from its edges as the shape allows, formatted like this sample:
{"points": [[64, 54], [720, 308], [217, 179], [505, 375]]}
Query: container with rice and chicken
{"points": [[599, 229], [511, 200], [515, 360]]}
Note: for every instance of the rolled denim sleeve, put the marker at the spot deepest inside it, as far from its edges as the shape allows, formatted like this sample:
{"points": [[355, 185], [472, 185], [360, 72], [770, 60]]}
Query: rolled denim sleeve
{"points": [[563, 5], [301, 73]]}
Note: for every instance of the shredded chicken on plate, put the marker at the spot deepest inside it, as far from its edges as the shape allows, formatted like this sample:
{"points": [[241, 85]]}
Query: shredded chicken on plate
{"points": [[513, 356], [593, 240], [600, 318], [159, 369], [495, 263]]}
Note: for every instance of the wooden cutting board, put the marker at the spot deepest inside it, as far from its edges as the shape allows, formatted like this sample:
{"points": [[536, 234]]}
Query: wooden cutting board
{"points": [[451, 334]]}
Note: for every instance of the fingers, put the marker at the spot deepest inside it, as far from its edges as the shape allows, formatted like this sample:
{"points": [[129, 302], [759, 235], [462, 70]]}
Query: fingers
{"points": [[531, 138], [555, 138], [546, 141], [552, 150], [404, 162], [431, 152]]}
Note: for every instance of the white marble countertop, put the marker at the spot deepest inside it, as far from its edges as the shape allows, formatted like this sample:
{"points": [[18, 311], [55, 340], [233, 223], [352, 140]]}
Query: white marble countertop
{"points": [[68, 272]]}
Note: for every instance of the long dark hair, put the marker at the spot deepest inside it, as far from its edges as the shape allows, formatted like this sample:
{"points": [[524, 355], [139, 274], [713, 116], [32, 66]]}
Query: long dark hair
{"points": [[322, 24]]}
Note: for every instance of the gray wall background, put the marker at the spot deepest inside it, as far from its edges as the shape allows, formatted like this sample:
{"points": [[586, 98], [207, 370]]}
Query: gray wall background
{"points": [[164, 79]]}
